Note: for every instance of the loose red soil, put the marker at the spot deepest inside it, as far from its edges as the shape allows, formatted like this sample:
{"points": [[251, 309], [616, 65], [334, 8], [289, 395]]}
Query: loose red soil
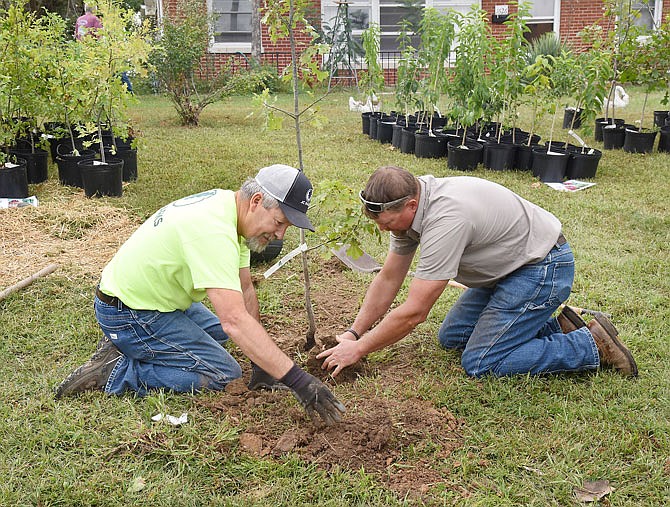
{"points": [[398, 438]]}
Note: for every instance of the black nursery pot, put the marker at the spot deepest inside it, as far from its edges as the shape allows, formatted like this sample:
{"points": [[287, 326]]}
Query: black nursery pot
{"points": [[613, 136], [385, 131], [102, 179], [499, 156], [36, 163], [601, 122], [14, 180], [464, 159], [636, 141], [374, 119], [660, 117], [568, 116], [551, 166], [270, 253], [583, 164], [524, 157], [664, 139], [69, 172], [365, 122], [427, 146], [129, 157], [407, 139], [397, 134]]}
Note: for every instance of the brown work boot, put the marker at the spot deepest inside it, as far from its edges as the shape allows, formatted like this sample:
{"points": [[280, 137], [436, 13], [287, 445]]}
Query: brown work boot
{"points": [[94, 373], [569, 320], [612, 352]]}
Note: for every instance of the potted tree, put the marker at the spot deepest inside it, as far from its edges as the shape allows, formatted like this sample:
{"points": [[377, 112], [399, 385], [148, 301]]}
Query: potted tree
{"points": [[589, 88], [648, 66], [32, 65], [437, 32], [406, 87], [68, 85], [116, 50], [372, 79], [613, 38], [470, 89], [537, 78], [550, 162], [15, 29], [509, 62]]}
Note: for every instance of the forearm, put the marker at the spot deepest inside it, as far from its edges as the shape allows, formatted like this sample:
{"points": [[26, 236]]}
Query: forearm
{"points": [[395, 326], [377, 301], [248, 334]]}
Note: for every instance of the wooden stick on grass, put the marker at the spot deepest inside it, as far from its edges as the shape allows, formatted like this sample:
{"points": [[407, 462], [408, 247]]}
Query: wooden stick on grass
{"points": [[27, 281]]}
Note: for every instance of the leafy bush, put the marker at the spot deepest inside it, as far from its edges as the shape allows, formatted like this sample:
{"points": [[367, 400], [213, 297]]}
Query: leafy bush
{"points": [[255, 80], [547, 44], [191, 84]]}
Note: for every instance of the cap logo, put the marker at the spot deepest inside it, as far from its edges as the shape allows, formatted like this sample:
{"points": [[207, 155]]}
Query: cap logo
{"points": [[308, 197]]}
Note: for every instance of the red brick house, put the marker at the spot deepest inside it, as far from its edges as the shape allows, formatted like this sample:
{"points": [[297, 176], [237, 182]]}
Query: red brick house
{"points": [[566, 18]]}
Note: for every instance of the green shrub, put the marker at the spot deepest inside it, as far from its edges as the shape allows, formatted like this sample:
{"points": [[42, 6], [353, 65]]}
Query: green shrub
{"points": [[255, 80], [547, 44]]}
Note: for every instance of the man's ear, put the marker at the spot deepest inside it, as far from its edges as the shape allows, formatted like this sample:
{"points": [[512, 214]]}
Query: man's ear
{"points": [[413, 204], [255, 201]]}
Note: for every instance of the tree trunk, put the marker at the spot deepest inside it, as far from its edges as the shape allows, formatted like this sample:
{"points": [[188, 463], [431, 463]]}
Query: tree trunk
{"points": [[256, 30]]}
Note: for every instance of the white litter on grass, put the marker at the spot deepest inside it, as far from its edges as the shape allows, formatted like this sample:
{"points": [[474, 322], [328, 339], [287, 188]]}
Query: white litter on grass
{"points": [[18, 202], [174, 421]]}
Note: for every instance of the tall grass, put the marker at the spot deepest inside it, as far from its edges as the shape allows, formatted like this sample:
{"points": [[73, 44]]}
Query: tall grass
{"points": [[527, 440]]}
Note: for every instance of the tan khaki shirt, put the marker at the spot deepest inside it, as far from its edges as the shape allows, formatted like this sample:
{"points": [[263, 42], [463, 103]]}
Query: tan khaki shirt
{"points": [[475, 231]]}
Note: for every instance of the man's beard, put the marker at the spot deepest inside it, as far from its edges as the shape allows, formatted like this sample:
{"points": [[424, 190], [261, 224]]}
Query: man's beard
{"points": [[258, 243]]}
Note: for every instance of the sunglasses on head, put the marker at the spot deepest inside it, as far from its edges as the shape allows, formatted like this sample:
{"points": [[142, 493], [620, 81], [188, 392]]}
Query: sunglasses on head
{"points": [[379, 207]]}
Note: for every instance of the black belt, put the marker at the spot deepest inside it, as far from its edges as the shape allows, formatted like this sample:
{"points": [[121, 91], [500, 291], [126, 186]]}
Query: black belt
{"points": [[561, 240], [107, 299]]}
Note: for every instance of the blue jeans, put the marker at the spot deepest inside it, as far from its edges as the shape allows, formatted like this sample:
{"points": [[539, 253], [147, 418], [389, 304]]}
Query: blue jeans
{"points": [[181, 350], [125, 79], [508, 329]]}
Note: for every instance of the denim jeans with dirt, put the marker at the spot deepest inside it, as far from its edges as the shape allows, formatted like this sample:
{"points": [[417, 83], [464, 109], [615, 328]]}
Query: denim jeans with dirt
{"points": [[508, 329], [181, 351]]}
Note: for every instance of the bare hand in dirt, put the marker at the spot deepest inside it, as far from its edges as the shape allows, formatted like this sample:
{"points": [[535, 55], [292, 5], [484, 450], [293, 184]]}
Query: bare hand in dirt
{"points": [[314, 396], [344, 354], [346, 336]]}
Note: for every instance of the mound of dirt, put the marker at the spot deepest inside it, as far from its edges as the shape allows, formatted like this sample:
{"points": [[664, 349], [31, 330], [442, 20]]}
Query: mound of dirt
{"points": [[375, 435], [396, 438]]}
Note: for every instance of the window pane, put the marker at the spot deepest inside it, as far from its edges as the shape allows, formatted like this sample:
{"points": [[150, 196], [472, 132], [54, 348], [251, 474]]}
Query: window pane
{"points": [[646, 10], [542, 9], [359, 17], [231, 6], [390, 17], [234, 23], [244, 37], [233, 20]]}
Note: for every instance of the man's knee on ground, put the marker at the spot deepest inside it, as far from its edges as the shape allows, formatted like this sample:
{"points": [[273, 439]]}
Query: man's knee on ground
{"points": [[219, 382], [475, 366], [450, 341]]}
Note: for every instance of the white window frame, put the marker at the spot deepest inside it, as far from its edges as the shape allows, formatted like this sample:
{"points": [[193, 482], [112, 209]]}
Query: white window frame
{"points": [[375, 7], [226, 47]]}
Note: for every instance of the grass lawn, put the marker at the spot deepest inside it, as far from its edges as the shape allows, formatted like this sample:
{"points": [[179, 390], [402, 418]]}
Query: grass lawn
{"points": [[523, 440]]}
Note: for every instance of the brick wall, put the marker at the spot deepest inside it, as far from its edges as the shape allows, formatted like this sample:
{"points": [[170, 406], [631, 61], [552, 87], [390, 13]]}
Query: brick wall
{"points": [[574, 14]]}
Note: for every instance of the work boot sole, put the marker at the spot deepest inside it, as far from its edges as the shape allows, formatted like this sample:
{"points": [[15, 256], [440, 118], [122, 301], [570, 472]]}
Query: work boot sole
{"points": [[93, 374], [613, 332], [573, 317]]}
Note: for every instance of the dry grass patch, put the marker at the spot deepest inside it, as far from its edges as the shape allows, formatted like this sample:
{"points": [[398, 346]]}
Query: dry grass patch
{"points": [[78, 234]]}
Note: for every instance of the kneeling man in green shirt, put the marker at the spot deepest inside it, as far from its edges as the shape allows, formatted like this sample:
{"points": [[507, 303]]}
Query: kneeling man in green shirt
{"points": [[157, 332]]}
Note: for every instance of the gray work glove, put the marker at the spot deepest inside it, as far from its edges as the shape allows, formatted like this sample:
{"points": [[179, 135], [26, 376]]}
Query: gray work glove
{"points": [[313, 395]]}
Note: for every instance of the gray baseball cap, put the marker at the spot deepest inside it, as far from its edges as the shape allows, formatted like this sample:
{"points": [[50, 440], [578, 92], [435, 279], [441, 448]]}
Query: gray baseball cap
{"points": [[291, 188]]}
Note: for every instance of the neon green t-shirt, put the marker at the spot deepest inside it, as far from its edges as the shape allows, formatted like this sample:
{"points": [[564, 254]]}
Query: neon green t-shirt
{"points": [[186, 247]]}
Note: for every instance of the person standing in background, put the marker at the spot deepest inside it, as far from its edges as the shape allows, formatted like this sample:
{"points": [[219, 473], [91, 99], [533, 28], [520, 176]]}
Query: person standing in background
{"points": [[87, 24]]}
